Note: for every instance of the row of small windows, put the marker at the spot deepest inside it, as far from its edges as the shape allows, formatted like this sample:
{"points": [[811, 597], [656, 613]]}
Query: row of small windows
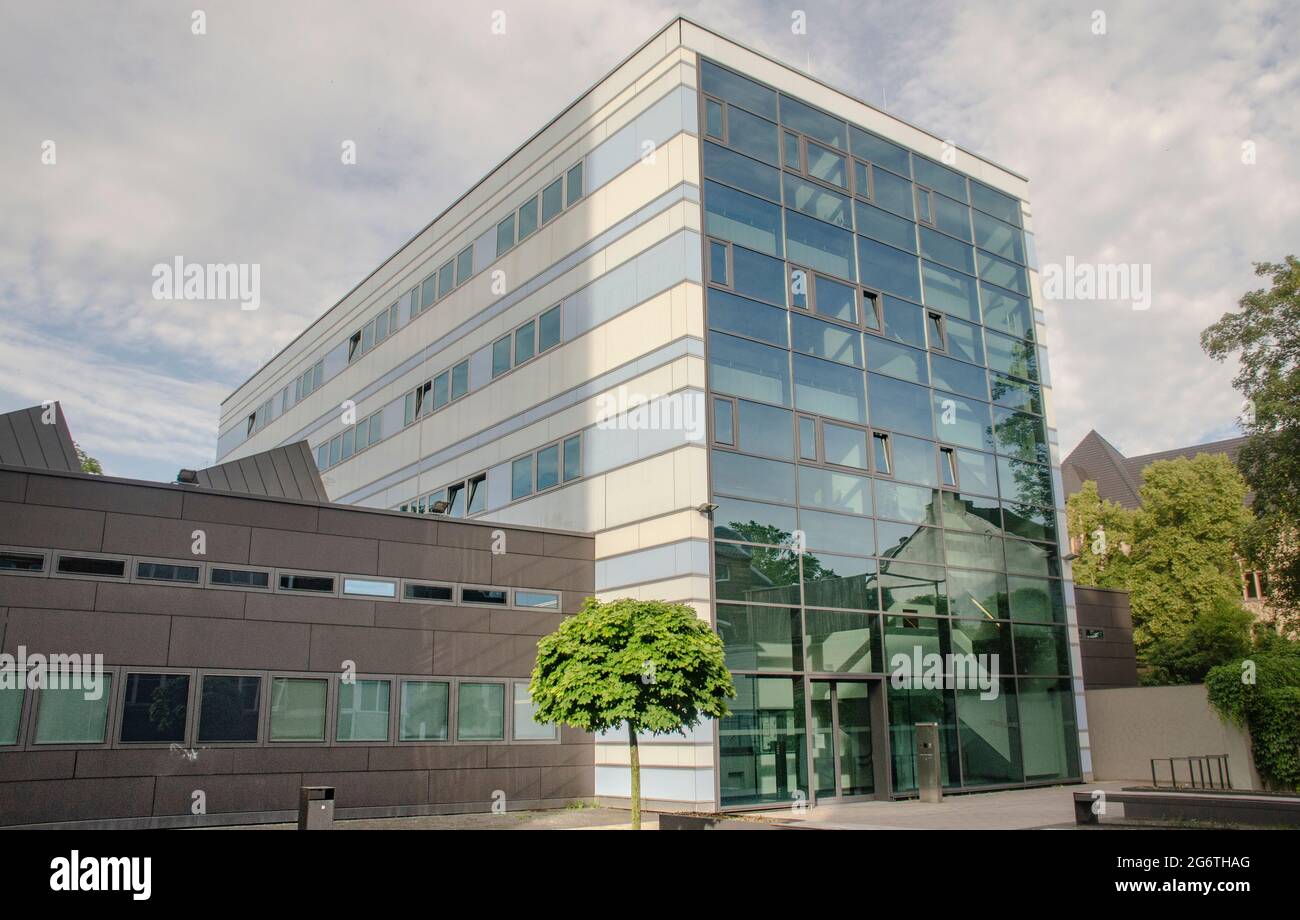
{"points": [[460, 499], [368, 431], [437, 392], [540, 209], [374, 332], [737, 101], [309, 381], [26, 561], [260, 418], [546, 467], [526, 342], [156, 707]]}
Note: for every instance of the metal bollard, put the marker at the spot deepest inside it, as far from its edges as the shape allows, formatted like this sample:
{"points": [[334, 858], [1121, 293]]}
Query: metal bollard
{"points": [[316, 808], [929, 776]]}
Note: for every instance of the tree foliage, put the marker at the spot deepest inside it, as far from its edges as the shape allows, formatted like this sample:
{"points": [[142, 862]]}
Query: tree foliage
{"points": [[87, 463], [651, 665], [1218, 636], [1105, 531], [1262, 693], [1265, 336]]}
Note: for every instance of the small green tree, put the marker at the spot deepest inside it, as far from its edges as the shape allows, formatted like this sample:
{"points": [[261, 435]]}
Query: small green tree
{"points": [[1105, 532], [651, 665], [1262, 694], [88, 463]]}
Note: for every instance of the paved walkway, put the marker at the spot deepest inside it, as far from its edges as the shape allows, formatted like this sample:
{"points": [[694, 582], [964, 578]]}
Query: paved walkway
{"points": [[1016, 809], [584, 819]]}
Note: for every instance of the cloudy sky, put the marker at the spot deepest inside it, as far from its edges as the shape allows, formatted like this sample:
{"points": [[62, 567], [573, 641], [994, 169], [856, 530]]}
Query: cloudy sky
{"points": [[225, 147]]}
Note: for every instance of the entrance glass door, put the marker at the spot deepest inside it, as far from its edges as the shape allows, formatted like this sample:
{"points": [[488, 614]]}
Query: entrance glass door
{"points": [[841, 737]]}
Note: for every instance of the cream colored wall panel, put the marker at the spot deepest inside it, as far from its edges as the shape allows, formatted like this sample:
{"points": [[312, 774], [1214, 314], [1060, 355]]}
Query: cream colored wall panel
{"points": [[659, 754], [641, 490], [683, 589]]}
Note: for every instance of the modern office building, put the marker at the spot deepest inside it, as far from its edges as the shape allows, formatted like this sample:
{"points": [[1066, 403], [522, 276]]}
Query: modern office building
{"points": [[778, 352]]}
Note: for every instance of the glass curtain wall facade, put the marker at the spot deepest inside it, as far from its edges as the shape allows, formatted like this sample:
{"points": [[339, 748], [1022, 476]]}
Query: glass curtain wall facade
{"points": [[878, 456]]}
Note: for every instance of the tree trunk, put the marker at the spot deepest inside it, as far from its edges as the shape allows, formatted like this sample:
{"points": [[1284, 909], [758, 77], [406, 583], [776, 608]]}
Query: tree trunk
{"points": [[635, 753]]}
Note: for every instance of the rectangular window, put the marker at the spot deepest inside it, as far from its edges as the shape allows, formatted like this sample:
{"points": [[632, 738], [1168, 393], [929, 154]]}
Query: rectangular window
{"points": [[548, 329], [376, 427], [573, 190], [65, 716], [552, 199], [86, 565], [521, 477], [424, 710], [480, 712], [349, 438], [718, 273], [525, 727], [572, 457], [320, 584], [323, 455], [428, 291], [298, 709], [542, 599], [477, 501], [22, 562], [446, 280], [230, 708], [527, 219], [354, 352], [483, 596], [367, 337], [441, 389], [525, 342], [369, 587], [336, 450], [505, 234], [363, 710], [464, 265], [724, 423], [713, 119], [239, 578], [500, 356], [934, 327], [381, 327], [11, 711], [432, 593], [460, 380], [948, 467], [548, 467], [155, 708], [158, 571]]}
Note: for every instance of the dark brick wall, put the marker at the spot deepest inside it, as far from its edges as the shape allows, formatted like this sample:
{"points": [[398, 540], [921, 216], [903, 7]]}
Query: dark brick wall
{"points": [[1110, 661], [161, 626]]}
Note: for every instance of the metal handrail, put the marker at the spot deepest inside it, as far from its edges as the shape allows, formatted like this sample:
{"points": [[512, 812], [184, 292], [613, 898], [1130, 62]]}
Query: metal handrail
{"points": [[1204, 771]]}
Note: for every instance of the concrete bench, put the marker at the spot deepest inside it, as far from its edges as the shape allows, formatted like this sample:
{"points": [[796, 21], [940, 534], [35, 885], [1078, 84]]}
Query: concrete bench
{"points": [[1222, 807]]}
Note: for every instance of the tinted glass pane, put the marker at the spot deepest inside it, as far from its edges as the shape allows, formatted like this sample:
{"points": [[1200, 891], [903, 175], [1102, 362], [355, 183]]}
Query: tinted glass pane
{"points": [[1036, 599], [887, 269], [825, 165], [913, 588], [424, 710], [761, 745], [724, 422], [752, 135], [892, 193], [1020, 435], [480, 712], [548, 467], [952, 218], [552, 199], [744, 219], [807, 438], [505, 235], [573, 184], [999, 238], [155, 708], [363, 710], [1012, 356], [840, 581], [756, 522], [899, 406], [746, 317], [843, 532], [936, 176], [766, 430], [526, 728], [1007, 312], [1003, 273], [878, 150], [732, 87], [718, 262], [910, 542], [230, 708], [748, 369], [760, 638], [1048, 735], [817, 201], [572, 457], [762, 574], [845, 446], [964, 341], [741, 172], [807, 120], [906, 503], [963, 421], [11, 709], [914, 460], [1015, 394], [1030, 522], [903, 322], [834, 490], [525, 342], [65, 716], [838, 301], [980, 595], [1001, 206], [843, 642], [484, 596], [1041, 650], [298, 709], [974, 550], [950, 291], [971, 512], [829, 389], [976, 472], [548, 329], [521, 477], [957, 377], [825, 340], [500, 356], [883, 226], [758, 276], [819, 245], [945, 249], [896, 360], [750, 477]]}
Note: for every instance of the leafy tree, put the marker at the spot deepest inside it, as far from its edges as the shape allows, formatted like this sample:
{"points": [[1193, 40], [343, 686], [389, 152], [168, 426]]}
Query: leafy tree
{"points": [[88, 463], [1262, 693], [1185, 539], [1218, 636], [651, 665], [1265, 334], [1105, 532]]}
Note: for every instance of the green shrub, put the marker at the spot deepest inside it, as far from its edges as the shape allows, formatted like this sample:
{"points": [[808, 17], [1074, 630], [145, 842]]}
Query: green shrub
{"points": [[1262, 694]]}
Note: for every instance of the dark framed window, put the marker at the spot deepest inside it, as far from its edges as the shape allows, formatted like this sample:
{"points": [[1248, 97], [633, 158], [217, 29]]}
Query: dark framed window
{"points": [[229, 708], [155, 708]]}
